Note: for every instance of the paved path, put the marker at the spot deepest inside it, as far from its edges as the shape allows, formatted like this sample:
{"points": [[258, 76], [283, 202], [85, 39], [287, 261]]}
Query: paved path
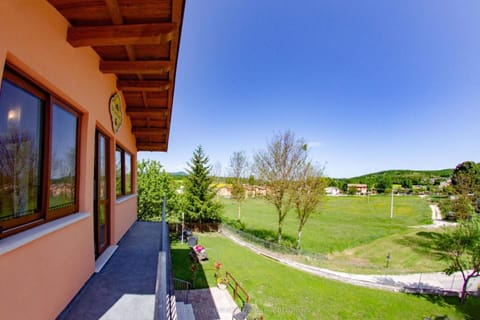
{"points": [[212, 304], [437, 282]]}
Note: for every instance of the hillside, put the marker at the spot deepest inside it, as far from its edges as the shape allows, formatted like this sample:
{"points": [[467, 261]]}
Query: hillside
{"points": [[403, 177]]}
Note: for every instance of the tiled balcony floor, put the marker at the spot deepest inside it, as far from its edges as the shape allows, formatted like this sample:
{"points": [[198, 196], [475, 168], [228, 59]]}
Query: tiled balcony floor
{"points": [[125, 288]]}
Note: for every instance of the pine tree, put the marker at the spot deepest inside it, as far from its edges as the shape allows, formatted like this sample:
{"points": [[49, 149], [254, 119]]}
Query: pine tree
{"points": [[200, 203]]}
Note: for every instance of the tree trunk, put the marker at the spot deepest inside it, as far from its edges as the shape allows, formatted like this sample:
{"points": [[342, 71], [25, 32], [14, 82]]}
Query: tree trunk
{"points": [[299, 236], [464, 290], [279, 232], [238, 210]]}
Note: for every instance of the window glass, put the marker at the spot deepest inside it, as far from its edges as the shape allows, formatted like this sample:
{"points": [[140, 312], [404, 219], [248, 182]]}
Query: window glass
{"points": [[63, 158], [102, 170], [118, 172], [128, 173], [20, 152]]}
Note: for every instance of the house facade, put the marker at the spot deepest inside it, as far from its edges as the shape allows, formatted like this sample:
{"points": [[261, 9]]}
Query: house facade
{"points": [[84, 85], [360, 188]]}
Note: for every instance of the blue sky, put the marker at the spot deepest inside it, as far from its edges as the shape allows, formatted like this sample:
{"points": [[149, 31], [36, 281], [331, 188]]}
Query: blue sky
{"points": [[370, 85]]}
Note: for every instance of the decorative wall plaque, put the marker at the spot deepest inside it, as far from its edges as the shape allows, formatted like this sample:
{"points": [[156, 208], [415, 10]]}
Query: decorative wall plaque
{"points": [[116, 111]]}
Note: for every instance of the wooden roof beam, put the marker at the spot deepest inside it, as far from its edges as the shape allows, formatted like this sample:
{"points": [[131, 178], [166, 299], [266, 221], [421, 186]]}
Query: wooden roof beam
{"points": [[134, 67], [115, 35], [148, 112], [143, 85], [149, 131], [151, 146]]}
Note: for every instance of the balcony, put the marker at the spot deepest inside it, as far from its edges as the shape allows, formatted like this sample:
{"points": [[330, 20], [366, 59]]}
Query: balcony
{"points": [[126, 286]]}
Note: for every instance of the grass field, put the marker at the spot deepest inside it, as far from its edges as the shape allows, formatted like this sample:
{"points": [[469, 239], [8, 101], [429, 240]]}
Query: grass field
{"points": [[280, 292], [354, 233]]}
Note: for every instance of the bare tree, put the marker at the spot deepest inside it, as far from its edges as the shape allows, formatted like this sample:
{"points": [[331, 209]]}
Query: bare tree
{"points": [[307, 195], [216, 171], [238, 165], [279, 165]]}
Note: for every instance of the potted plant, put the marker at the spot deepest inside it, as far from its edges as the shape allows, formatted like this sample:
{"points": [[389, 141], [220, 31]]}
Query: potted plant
{"points": [[222, 283]]}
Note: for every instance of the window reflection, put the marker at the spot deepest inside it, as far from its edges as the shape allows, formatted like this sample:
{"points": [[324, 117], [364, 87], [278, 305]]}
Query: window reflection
{"points": [[118, 172], [63, 158], [102, 170], [20, 141], [128, 173]]}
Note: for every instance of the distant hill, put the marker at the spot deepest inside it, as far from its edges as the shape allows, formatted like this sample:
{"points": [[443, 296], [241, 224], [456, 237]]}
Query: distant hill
{"points": [[444, 173], [179, 173], [415, 177]]}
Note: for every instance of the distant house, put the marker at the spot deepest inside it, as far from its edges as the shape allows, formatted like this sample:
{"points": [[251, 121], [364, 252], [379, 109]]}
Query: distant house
{"points": [[361, 188], [225, 192], [332, 191], [255, 191], [445, 184]]}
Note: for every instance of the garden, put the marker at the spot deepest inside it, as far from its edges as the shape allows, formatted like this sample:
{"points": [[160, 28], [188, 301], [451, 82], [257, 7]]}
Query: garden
{"points": [[279, 292]]}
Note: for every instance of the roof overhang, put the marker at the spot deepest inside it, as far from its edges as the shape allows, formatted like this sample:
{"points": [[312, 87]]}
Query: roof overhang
{"points": [[138, 41]]}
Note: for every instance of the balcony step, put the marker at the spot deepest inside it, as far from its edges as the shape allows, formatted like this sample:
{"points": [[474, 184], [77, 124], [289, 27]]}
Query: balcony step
{"points": [[185, 311]]}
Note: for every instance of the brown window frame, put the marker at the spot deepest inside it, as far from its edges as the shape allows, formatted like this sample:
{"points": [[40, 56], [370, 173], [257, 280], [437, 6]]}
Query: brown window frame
{"points": [[49, 99], [123, 179]]}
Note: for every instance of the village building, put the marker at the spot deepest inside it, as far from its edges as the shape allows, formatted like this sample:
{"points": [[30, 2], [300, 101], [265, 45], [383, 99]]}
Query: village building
{"points": [[361, 189], [332, 191]]}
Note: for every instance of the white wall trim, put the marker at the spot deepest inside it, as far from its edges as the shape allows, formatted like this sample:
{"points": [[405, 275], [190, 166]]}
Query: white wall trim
{"points": [[104, 257], [125, 198]]}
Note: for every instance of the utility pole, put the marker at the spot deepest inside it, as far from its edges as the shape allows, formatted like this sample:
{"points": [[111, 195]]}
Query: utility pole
{"points": [[391, 206]]}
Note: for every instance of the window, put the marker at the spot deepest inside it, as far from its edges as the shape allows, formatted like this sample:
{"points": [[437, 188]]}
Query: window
{"points": [[38, 155], [123, 169]]}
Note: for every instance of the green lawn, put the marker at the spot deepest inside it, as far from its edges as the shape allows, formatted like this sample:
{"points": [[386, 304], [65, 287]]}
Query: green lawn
{"points": [[280, 292], [354, 233], [409, 252]]}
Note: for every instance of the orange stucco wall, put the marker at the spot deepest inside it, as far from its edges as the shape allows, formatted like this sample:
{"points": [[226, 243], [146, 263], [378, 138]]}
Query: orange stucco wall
{"points": [[44, 275], [40, 278], [123, 218]]}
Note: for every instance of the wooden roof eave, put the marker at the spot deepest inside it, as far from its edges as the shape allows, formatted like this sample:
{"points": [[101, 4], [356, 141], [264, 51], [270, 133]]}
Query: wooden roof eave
{"points": [[144, 77]]}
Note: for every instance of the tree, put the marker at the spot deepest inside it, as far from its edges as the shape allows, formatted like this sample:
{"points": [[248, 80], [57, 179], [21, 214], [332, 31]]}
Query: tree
{"points": [[384, 184], [238, 165], [152, 184], [200, 203], [278, 166], [307, 196], [217, 171], [251, 180], [466, 178], [466, 185], [461, 248]]}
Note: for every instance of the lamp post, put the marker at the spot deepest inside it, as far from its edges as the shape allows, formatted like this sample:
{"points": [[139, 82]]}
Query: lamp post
{"points": [[183, 224]]}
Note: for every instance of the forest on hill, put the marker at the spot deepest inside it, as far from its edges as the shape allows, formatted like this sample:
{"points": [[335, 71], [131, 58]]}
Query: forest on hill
{"points": [[405, 178]]}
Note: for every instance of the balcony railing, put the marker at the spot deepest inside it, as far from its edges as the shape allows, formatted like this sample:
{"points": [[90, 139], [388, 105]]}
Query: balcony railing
{"points": [[165, 304]]}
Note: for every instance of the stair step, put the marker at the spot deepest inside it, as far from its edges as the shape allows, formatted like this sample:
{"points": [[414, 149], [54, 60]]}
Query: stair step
{"points": [[185, 311]]}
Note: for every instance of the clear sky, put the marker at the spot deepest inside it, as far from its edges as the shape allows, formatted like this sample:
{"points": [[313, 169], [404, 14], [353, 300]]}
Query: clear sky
{"points": [[371, 85]]}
